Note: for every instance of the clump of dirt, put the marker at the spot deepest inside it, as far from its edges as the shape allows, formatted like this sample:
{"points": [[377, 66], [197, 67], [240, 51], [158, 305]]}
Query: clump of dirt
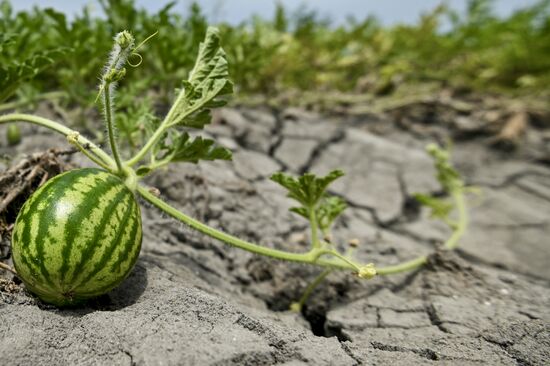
{"points": [[9, 287]]}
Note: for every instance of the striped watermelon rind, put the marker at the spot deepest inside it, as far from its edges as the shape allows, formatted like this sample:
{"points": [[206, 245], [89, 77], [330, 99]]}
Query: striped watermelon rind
{"points": [[77, 237]]}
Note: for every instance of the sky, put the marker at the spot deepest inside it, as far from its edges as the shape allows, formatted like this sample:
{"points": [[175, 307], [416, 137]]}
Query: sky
{"points": [[389, 12]]}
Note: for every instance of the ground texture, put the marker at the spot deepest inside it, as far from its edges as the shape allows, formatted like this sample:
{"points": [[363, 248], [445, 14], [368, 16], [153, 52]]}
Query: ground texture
{"points": [[192, 300]]}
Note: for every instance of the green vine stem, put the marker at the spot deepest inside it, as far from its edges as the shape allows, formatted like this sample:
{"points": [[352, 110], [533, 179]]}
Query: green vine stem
{"points": [[314, 229], [148, 146], [311, 257], [57, 127], [73, 140], [297, 306], [462, 224], [458, 231], [110, 125], [159, 132]]}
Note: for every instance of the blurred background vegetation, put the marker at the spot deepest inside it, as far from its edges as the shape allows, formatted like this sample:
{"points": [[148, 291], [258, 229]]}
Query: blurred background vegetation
{"points": [[43, 54]]}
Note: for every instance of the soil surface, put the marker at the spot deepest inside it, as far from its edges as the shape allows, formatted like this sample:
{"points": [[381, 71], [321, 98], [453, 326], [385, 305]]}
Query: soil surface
{"points": [[194, 301]]}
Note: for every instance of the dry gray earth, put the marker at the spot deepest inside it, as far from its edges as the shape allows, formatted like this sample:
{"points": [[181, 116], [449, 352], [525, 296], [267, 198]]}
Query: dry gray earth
{"points": [[194, 301]]}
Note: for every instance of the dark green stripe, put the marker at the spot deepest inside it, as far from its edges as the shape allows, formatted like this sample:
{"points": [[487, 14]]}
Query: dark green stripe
{"points": [[107, 254], [80, 215], [121, 258], [65, 180], [49, 192], [123, 255], [15, 236], [97, 188]]}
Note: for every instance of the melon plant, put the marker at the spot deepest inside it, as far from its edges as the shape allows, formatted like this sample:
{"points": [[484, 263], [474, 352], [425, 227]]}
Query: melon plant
{"points": [[79, 235]]}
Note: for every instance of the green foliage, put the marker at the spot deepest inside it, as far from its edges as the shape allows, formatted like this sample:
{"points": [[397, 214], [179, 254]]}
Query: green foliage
{"points": [[15, 71], [307, 189], [192, 150], [207, 81], [451, 181], [328, 210], [300, 50], [440, 208], [310, 191], [447, 175], [203, 90]]}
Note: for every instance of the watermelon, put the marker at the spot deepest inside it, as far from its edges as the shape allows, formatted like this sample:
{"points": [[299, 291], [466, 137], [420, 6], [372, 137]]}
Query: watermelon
{"points": [[77, 237]]}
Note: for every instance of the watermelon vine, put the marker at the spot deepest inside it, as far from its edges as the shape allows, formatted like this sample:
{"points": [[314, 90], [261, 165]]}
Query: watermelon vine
{"points": [[79, 235]]}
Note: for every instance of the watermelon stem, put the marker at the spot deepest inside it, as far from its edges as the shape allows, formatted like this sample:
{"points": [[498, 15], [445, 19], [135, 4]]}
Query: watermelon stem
{"points": [[57, 127], [314, 256], [107, 102]]}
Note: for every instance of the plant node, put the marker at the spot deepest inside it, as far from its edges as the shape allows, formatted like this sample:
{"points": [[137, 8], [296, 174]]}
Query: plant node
{"points": [[367, 271]]}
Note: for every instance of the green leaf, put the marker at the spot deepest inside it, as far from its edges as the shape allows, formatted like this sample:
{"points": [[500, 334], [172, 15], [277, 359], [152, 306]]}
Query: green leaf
{"points": [[310, 191], [447, 176], [328, 210], [193, 150], [207, 81], [12, 75], [307, 189], [143, 171], [302, 211], [440, 208]]}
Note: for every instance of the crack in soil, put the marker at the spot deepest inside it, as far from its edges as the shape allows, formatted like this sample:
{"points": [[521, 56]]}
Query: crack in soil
{"points": [[422, 352], [350, 353]]}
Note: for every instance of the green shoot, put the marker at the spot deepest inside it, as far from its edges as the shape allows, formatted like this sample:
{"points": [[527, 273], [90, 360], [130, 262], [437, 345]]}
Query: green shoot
{"points": [[207, 82], [309, 191]]}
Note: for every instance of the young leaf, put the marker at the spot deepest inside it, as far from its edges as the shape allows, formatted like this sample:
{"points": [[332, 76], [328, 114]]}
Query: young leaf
{"points": [[447, 176], [193, 150], [440, 209], [328, 210], [307, 189], [206, 83], [310, 192]]}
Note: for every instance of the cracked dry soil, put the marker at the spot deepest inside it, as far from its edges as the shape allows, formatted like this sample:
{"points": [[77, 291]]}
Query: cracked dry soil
{"points": [[194, 301]]}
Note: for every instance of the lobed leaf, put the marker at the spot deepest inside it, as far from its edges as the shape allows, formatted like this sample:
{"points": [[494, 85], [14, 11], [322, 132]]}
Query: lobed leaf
{"points": [[193, 150], [207, 81], [440, 208], [307, 189], [447, 176], [328, 210]]}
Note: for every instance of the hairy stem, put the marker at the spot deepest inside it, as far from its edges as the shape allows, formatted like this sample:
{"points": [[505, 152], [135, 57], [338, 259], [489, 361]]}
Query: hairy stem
{"points": [[341, 257], [458, 231], [309, 289], [57, 127], [315, 243], [157, 134], [460, 227], [148, 146], [85, 150], [110, 125], [402, 267], [310, 257]]}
